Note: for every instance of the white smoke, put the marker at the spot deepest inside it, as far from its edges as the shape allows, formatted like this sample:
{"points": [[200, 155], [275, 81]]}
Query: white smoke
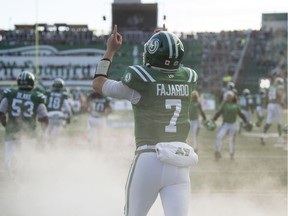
{"points": [[75, 179], [65, 181]]}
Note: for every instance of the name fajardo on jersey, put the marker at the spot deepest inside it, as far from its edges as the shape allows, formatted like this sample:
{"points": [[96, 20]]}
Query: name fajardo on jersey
{"points": [[172, 89]]}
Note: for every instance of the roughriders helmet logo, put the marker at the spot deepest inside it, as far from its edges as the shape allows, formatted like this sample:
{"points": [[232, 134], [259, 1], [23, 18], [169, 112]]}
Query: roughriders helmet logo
{"points": [[127, 77], [153, 46]]}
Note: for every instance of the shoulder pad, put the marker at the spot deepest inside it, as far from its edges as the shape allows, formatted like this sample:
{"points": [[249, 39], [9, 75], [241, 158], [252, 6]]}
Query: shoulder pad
{"points": [[7, 92], [192, 75], [138, 72], [41, 97], [65, 94]]}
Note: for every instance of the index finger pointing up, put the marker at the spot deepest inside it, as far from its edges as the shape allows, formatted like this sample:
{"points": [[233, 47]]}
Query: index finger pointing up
{"points": [[115, 30]]}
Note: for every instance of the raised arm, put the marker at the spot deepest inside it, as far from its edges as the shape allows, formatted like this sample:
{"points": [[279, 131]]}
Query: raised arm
{"points": [[113, 43]]}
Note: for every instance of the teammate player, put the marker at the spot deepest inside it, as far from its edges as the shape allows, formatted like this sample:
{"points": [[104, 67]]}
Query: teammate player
{"points": [[230, 86], [160, 93], [275, 102], [98, 108], [22, 107], [59, 110], [194, 112], [260, 106], [246, 105], [229, 110]]}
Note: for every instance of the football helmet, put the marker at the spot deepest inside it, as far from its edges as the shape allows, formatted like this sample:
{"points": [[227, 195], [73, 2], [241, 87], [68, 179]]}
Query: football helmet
{"points": [[210, 125], [246, 92], [58, 84], [230, 85], [248, 126], [164, 50], [26, 80], [279, 81]]}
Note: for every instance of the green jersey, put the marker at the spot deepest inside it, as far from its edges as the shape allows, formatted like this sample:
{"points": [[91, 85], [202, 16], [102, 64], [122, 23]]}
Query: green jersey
{"points": [[194, 110], [162, 114], [22, 108], [229, 111], [55, 100]]}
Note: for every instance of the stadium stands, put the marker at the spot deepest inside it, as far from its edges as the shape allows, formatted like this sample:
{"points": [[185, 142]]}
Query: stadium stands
{"points": [[252, 55]]}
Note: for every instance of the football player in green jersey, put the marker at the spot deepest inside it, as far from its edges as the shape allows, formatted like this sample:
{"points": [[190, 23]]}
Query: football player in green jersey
{"points": [[246, 105], [59, 110], [19, 110], [260, 106], [160, 93], [229, 110], [275, 98], [194, 112], [98, 107]]}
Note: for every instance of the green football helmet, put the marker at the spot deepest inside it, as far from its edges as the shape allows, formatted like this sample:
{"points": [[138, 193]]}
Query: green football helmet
{"points": [[58, 84], [248, 126], [164, 50], [26, 80], [210, 125]]}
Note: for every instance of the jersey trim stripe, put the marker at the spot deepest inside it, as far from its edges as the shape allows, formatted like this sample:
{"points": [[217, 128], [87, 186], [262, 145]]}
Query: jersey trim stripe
{"points": [[7, 90], [146, 73], [141, 72], [193, 75]]}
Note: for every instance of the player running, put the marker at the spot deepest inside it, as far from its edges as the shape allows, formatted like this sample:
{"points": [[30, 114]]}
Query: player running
{"points": [[246, 105], [229, 110], [194, 112], [19, 110], [260, 106], [59, 110], [98, 107], [275, 98]]}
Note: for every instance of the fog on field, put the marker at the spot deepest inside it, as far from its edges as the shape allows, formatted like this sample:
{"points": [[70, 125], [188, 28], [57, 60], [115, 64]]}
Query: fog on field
{"points": [[76, 179]]}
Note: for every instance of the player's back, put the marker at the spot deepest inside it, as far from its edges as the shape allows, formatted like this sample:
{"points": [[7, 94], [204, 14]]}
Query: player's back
{"points": [[97, 104], [194, 110], [162, 113], [55, 100], [245, 101], [22, 109]]}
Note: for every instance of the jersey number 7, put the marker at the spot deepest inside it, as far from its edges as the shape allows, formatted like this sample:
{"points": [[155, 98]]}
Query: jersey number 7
{"points": [[169, 103]]}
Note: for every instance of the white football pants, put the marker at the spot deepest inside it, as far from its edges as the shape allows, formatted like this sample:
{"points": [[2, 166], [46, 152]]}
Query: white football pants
{"points": [[149, 177]]}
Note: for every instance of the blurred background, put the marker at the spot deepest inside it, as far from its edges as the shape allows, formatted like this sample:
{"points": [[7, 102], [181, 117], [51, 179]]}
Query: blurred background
{"points": [[224, 41]]}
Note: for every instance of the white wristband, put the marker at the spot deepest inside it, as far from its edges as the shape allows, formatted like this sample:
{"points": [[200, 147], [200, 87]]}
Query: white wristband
{"points": [[103, 67]]}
